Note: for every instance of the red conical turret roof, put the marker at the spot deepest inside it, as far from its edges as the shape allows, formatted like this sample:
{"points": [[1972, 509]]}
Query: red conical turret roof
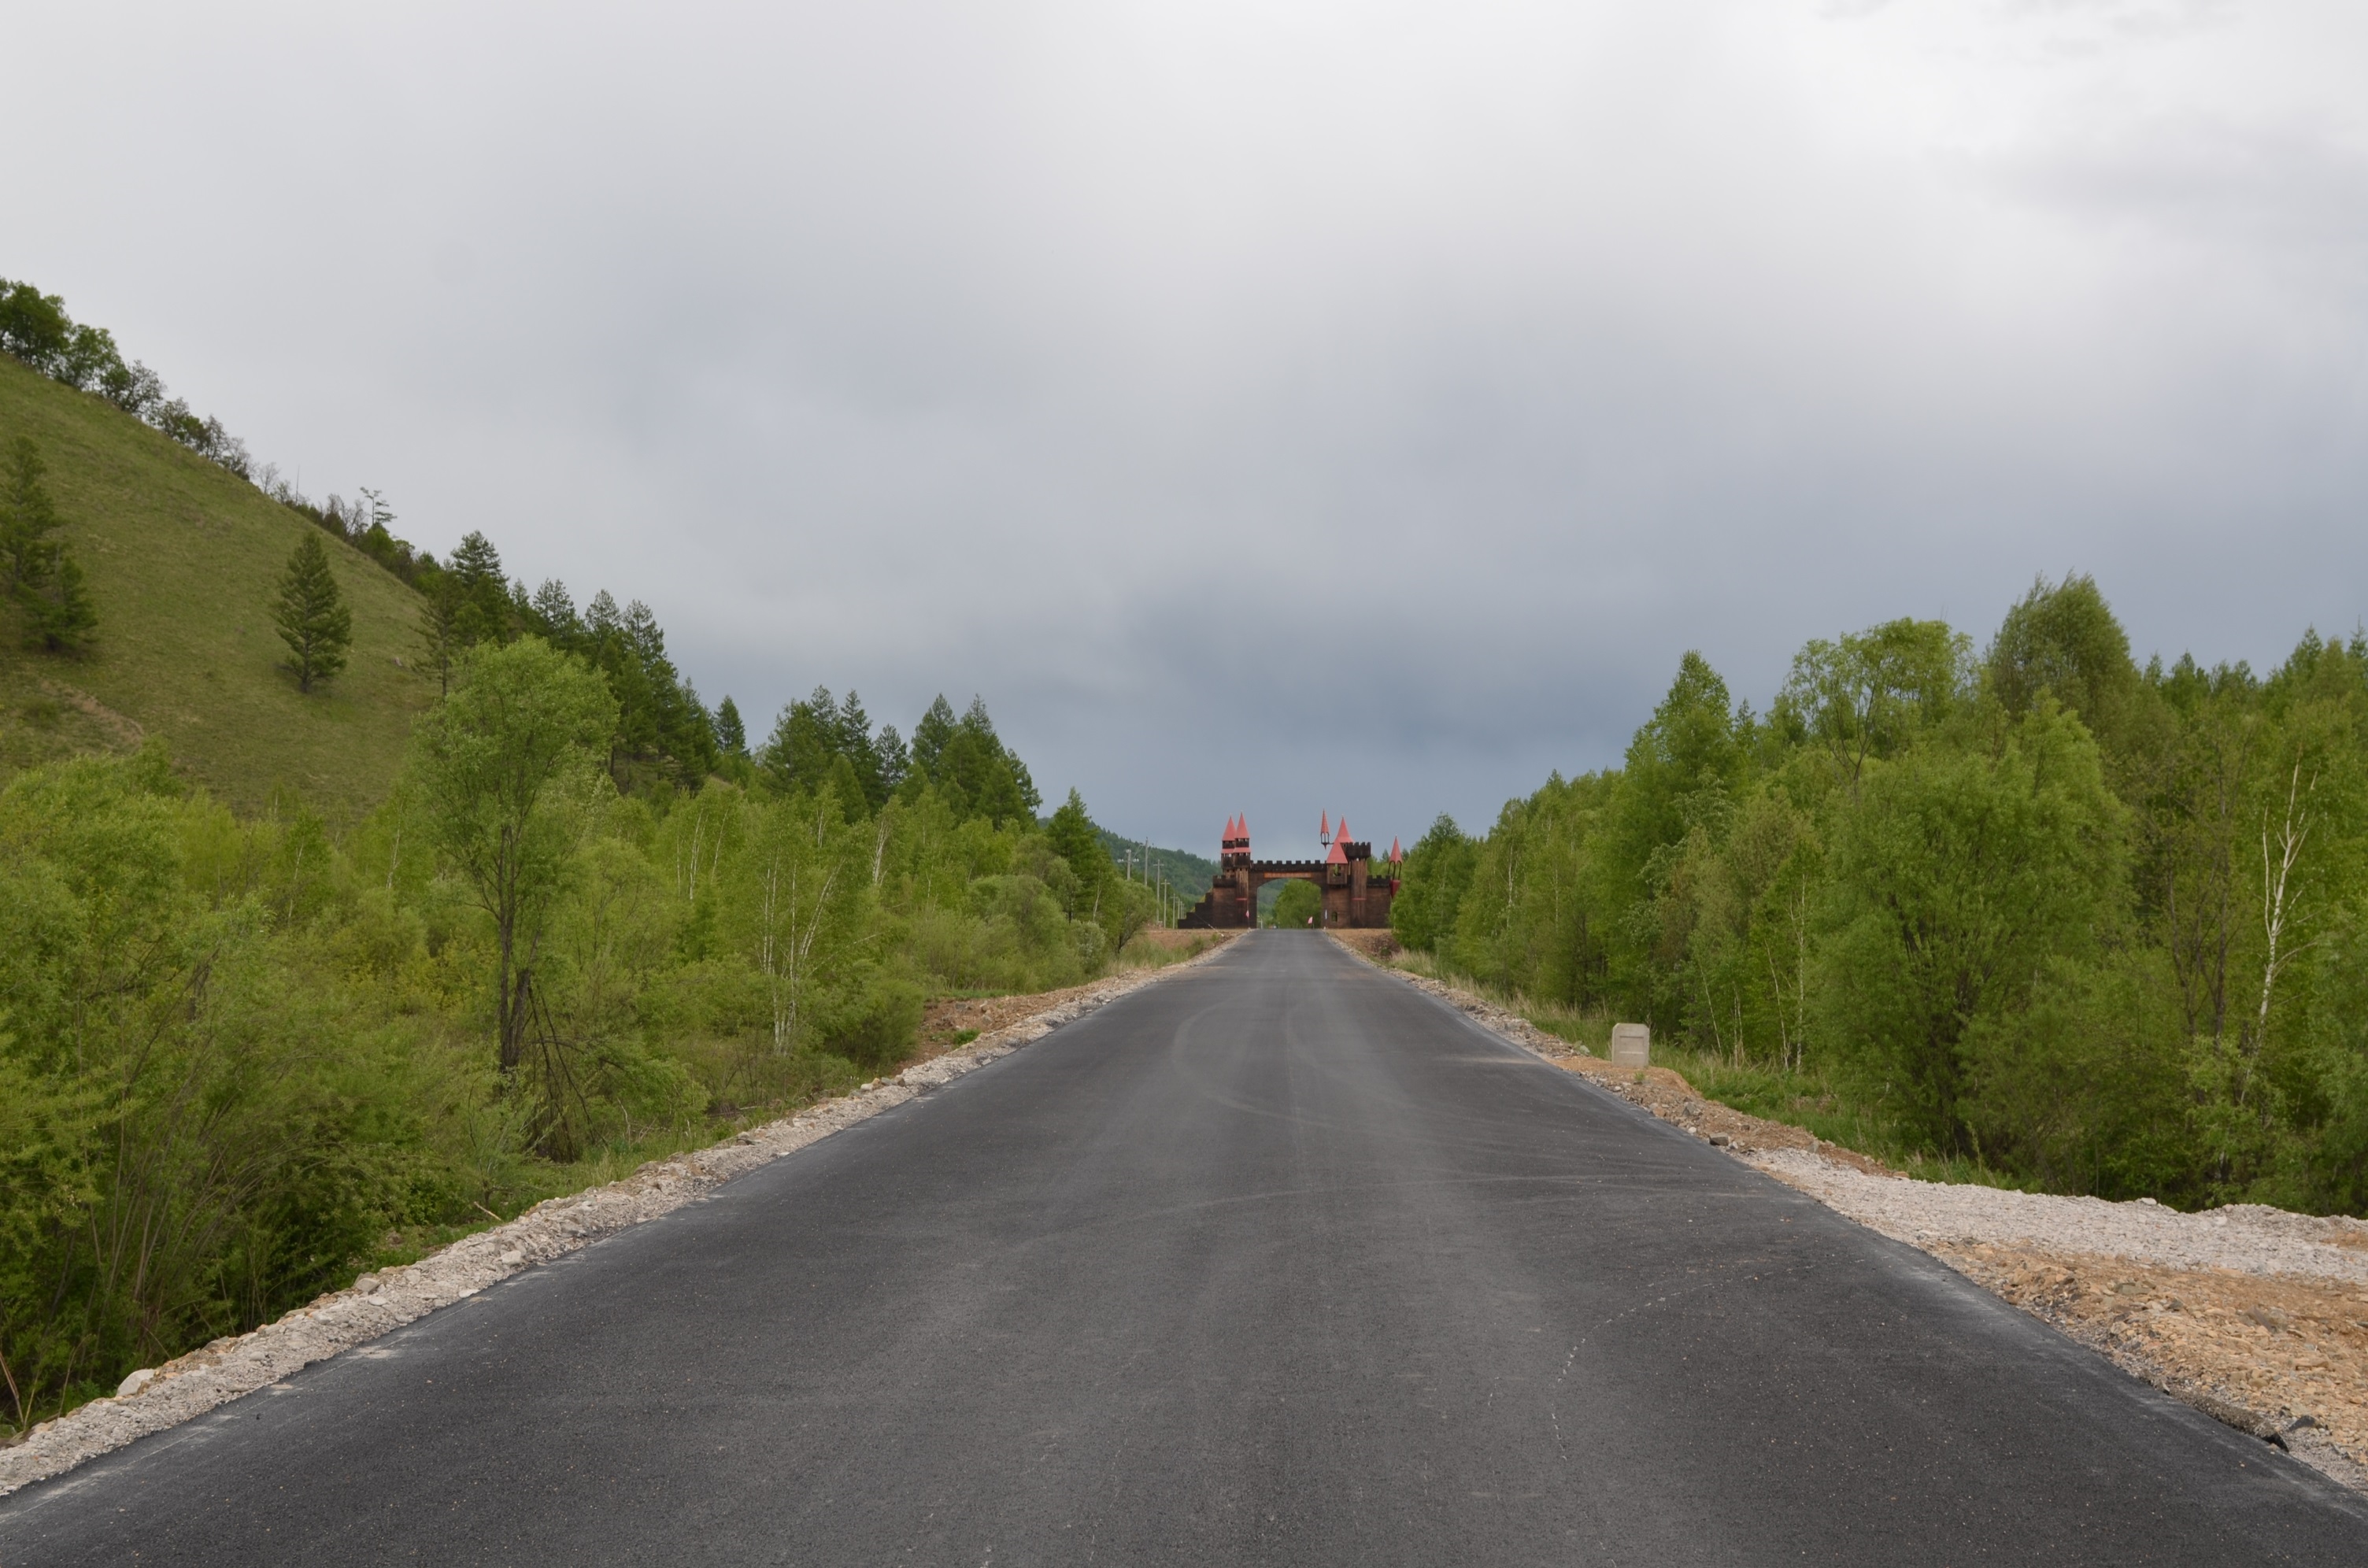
{"points": [[1323, 827]]}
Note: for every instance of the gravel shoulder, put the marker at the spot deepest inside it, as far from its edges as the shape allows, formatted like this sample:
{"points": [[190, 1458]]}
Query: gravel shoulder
{"points": [[230, 1368], [2254, 1315]]}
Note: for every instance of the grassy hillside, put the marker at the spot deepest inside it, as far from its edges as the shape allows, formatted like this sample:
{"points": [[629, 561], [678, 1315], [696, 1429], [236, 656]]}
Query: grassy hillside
{"points": [[181, 558]]}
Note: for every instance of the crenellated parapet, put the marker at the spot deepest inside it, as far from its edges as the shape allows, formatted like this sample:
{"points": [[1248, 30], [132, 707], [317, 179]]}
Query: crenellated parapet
{"points": [[1354, 897]]}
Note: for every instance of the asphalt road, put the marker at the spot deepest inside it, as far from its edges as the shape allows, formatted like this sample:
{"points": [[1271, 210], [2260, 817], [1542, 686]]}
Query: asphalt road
{"points": [[1277, 1261]]}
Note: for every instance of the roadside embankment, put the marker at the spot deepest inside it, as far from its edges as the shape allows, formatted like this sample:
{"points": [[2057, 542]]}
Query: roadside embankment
{"points": [[2257, 1316], [157, 1398]]}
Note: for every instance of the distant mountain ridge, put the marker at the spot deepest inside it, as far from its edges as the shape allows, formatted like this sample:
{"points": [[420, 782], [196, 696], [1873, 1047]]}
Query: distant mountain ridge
{"points": [[1188, 873]]}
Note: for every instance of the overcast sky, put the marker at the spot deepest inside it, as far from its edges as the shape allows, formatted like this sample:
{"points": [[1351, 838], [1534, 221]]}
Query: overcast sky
{"points": [[1277, 407]]}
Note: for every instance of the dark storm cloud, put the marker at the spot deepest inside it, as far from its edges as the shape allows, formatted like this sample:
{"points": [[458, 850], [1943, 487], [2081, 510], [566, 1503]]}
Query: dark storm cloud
{"points": [[1266, 408]]}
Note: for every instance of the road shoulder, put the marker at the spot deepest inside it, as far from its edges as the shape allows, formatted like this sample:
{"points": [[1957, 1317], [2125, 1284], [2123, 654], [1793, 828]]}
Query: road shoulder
{"points": [[376, 1304], [2256, 1316]]}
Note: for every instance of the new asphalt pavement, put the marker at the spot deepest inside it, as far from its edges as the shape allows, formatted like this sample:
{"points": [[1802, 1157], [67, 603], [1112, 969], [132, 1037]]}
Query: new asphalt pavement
{"points": [[1276, 1261]]}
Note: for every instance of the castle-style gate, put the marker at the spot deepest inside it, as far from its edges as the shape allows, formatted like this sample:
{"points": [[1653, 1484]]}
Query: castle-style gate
{"points": [[1354, 896]]}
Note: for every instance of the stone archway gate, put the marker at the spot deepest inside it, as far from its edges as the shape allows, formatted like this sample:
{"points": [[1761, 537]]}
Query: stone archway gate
{"points": [[1354, 898]]}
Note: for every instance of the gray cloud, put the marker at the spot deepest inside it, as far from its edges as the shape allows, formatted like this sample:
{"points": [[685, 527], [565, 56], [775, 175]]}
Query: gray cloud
{"points": [[1266, 408]]}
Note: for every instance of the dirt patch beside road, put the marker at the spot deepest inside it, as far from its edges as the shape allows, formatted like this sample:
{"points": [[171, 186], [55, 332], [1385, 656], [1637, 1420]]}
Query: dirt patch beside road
{"points": [[951, 1022], [2282, 1356], [1367, 944], [2256, 1316]]}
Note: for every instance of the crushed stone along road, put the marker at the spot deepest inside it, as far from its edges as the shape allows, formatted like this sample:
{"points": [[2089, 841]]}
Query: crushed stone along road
{"points": [[1278, 1261], [157, 1398], [2256, 1316]]}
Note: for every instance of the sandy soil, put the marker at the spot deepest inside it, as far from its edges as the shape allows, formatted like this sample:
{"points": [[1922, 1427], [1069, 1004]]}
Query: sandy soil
{"points": [[1367, 944], [2256, 1316]]}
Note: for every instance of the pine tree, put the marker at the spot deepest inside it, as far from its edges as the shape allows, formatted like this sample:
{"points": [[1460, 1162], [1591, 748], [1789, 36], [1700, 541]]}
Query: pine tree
{"points": [[731, 733], [312, 615], [931, 735], [552, 615], [59, 615], [1074, 838], [855, 744], [37, 571], [440, 627], [484, 613], [804, 740], [890, 760], [27, 517]]}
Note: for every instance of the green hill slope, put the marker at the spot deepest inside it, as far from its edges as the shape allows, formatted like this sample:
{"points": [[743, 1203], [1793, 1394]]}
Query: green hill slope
{"points": [[182, 558], [1188, 873]]}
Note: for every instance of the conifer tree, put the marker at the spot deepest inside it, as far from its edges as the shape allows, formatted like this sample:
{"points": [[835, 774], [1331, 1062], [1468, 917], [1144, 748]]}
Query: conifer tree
{"points": [[27, 517], [797, 754], [37, 572], [731, 733], [439, 628], [931, 735], [312, 615], [485, 612], [862, 752], [59, 614], [551, 615], [890, 760], [1074, 839]]}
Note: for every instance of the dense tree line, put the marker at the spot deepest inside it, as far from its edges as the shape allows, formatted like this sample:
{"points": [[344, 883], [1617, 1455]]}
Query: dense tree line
{"points": [[241, 1060], [36, 329], [2100, 927], [663, 730]]}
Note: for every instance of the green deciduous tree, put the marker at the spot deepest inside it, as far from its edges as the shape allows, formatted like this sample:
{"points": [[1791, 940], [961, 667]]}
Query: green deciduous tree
{"points": [[2062, 639], [1297, 905], [241, 1061], [1868, 695], [1956, 882], [501, 769], [181, 1145], [34, 326], [311, 614], [1438, 871]]}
